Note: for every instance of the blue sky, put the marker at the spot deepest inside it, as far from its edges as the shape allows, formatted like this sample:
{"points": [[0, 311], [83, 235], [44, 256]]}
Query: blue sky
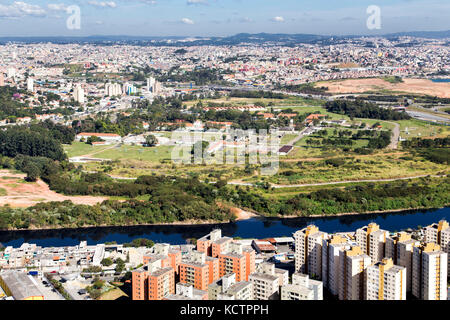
{"points": [[219, 17]]}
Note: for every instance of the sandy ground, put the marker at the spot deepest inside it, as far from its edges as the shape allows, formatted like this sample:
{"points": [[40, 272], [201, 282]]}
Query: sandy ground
{"points": [[25, 194], [419, 86], [242, 215]]}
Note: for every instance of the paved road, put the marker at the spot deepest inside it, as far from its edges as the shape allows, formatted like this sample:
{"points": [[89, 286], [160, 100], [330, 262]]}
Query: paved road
{"points": [[48, 293], [298, 137]]}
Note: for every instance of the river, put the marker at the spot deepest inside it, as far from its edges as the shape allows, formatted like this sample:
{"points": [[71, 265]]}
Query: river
{"points": [[251, 228]]}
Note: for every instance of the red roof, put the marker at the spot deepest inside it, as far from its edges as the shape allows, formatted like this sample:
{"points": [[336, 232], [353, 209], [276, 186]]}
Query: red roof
{"points": [[90, 134]]}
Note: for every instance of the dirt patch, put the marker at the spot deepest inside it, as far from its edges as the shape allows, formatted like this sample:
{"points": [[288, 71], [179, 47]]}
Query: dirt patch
{"points": [[418, 86], [242, 215], [20, 193]]}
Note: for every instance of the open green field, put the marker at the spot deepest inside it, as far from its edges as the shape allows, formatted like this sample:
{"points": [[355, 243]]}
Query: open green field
{"points": [[154, 154], [398, 165], [417, 128], [77, 149], [287, 137], [233, 101]]}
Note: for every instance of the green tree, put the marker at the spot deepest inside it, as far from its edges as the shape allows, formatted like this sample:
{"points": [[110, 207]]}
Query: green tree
{"points": [[32, 172], [151, 140]]}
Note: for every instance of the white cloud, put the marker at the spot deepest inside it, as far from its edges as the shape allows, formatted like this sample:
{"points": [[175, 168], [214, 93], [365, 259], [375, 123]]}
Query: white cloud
{"points": [[196, 2], [245, 20], [278, 19], [103, 4], [57, 7], [187, 21], [21, 9], [148, 1]]}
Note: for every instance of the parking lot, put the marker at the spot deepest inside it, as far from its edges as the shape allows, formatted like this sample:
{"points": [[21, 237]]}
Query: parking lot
{"points": [[47, 290], [75, 289]]}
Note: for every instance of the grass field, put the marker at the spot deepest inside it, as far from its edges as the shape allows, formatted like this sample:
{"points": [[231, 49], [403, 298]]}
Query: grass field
{"points": [[287, 137], [124, 152], [232, 101], [363, 168], [154, 154], [417, 128], [113, 294], [77, 149]]}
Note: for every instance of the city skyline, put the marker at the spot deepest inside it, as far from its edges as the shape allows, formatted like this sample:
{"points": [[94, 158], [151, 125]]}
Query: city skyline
{"points": [[219, 18]]}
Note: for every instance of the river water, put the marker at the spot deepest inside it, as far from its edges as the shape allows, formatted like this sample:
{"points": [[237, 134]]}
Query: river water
{"points": [[252, 228]]}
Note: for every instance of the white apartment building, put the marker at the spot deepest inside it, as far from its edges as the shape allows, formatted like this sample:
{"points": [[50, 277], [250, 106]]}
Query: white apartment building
{"points": [[331, 249], [386, 281], [269, 268], [439, 233], [78, 94], [353, 263], [30, 84], [265, 286], [308, 251], [400, 249], [113, 89], [429, 272], [302, 288], [372, 240], [242, 290]]}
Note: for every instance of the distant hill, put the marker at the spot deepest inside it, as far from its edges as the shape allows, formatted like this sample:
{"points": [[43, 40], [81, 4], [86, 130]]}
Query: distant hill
{"points": [[421, 34], [258, 38]]}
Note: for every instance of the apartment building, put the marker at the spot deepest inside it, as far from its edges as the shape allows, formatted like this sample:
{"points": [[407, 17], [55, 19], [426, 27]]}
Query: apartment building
{"points": [[386, 281], [168, 256], [239, 291], [161, 283], [153, 281], [265, 286], [439, 233], [331, 261], [269, 268], [302, 288], [195, 271], [213, 268], [139, 283], [238, 259], [204, 244], [187, 292], [308, 251], [371, 239], [220, 245], [353, 263], [226, 288], [400, 249], [429, 272]]}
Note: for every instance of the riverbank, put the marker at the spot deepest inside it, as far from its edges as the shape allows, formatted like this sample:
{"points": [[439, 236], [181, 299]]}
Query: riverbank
{"points": [[360, 213], [254, 228], [241, 215]]}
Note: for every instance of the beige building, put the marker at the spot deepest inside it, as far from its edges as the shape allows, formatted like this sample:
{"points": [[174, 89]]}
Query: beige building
{"points": [[400, 248], [429, 272], [331, 252], [308, 251], [439, 233], [353, 264], [386, 281], [372, 240]]}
